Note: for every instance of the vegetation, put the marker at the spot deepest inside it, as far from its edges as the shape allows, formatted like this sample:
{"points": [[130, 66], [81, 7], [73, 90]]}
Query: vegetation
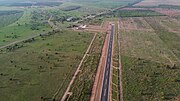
{"points": [[51, 4], [136, 13], [115, 69], [41, 67], [94, 21], [171, 23], [9, 17], [81, 89], [9, 12], [23, 27], [169, 6], [104, 3], [43, 51], [159, 6], [70, 8], [150, 63], [149, 80], [170, 38]]}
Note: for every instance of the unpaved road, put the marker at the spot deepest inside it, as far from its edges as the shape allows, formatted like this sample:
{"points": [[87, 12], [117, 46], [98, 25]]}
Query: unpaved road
{"points": [[77, 71]]}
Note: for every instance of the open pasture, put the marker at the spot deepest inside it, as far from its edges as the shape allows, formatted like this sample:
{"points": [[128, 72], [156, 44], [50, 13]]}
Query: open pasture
{"points": [[151, 62], [22, 27], [9, 17], [136, 13], [105, 3], [134, 23], [172, 24], [41, 68]]}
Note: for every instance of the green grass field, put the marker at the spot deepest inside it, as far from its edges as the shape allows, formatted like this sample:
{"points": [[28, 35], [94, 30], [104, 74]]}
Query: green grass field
{"points": [[38, 69], [21, 28], [136, 13], [81, 89], [105, 3], [148, 80], [115, 69], [9, 17], [151, 66], [169, 38]]}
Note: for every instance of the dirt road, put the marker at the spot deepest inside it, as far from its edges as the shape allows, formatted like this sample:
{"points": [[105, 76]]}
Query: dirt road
{"points": [[77, 71]]}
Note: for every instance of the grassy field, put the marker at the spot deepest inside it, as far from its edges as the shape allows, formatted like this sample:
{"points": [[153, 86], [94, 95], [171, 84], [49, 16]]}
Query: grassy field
{"points": [[39, 69], [115, 70], [169, 6], [158, 2], [123, 14], [75, 10], [36, 69], [169, 38], [9, 17], [136, 13], [147, 80], [25, 26], [81, 89], [151, 66], [170, 23], [96, 21], [22, 3], [105, 3]]}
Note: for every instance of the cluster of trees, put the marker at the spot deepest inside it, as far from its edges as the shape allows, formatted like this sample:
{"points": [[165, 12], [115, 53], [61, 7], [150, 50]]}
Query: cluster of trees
{"points": [[70, 8], [8, 17], [34, 26], [13, 37], [49, 33], [39, 18], [131, 13], [9, 12], [13, 47], [29, 40]]}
